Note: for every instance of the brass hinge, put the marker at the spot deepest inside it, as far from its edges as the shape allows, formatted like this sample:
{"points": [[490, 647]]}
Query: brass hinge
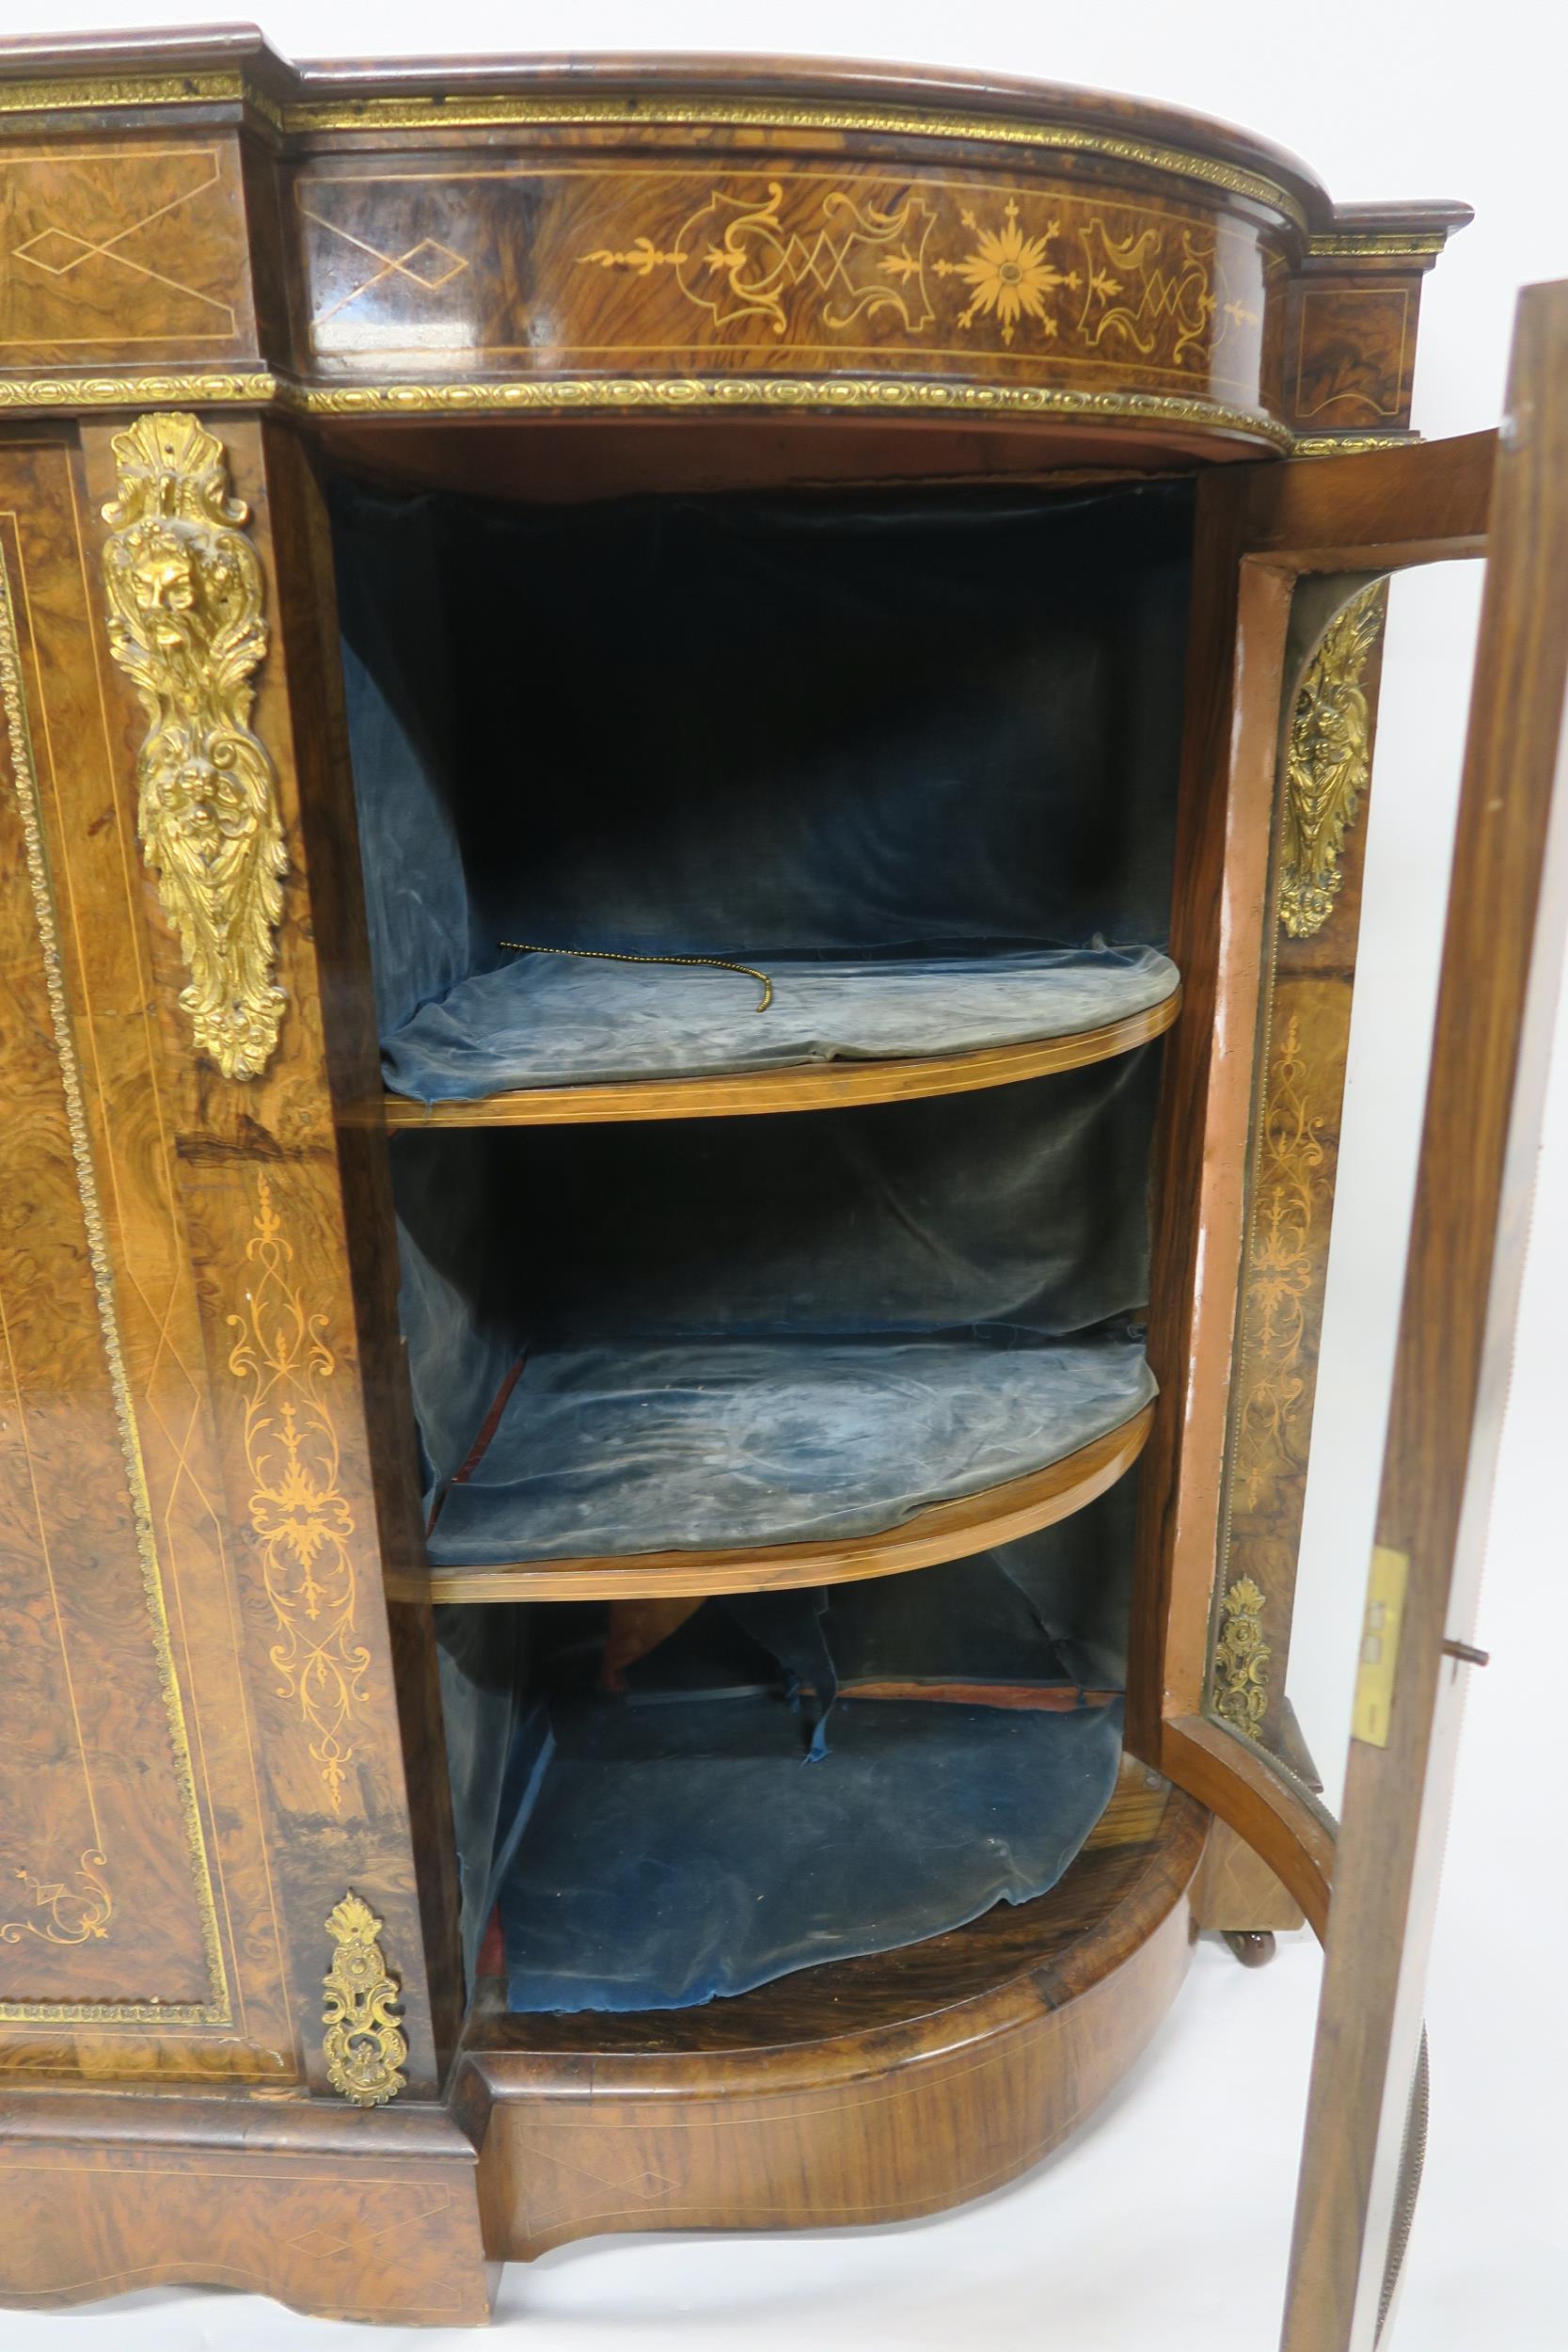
{"points": [[1380, 1646]]}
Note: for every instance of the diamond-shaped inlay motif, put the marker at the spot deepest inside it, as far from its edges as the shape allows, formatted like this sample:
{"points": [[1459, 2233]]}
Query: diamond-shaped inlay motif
{"points": [[322, 2243], [136, 251], [639, 2184], [432, 276], [428, 264], [66, 249]]}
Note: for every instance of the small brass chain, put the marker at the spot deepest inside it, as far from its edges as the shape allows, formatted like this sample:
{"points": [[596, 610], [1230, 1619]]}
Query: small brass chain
{"points": [[608, 955]]}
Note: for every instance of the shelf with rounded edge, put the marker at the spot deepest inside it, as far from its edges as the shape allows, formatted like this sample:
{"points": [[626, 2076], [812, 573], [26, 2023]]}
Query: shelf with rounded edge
{"points": [[793, 1085], [942, 1530]]}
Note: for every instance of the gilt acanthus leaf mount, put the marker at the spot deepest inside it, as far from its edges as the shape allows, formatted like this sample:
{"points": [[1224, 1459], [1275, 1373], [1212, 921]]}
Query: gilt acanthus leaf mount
{"points": [[185, 625], [1241, 1688], [1327, 763]]}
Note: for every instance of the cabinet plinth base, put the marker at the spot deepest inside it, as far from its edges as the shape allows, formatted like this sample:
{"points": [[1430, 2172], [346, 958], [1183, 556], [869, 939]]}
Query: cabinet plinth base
{"points": [[870, 2091], [340, 2215]]}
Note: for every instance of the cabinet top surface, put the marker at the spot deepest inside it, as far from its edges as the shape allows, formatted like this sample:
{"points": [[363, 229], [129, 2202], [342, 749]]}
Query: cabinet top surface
{"points": [[207, 66], [193, 219]]}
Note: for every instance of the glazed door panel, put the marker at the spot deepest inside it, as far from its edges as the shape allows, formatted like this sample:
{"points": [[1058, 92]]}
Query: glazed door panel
{"points": [[1292, 563], [1277, 772], [201, 1754], [1498, 998]]}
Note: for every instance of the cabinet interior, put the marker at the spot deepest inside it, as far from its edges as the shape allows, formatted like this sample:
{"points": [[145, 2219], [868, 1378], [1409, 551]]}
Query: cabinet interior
{"points": [[908, 759]]}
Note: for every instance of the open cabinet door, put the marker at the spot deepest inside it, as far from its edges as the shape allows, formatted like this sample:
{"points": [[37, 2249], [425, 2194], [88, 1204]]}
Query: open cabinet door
{"points": [[1291, 555], [1498, 988]]}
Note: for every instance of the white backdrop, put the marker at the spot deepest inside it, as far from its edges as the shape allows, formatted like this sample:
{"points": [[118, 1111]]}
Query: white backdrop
{"points": [[1166, 2222]]}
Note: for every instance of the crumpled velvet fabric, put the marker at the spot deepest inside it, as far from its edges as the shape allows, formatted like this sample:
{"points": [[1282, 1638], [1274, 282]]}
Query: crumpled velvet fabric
{"points": [[545, 1021], [769, 1330], [707, 1447], [885, 736], [624, 1856], [640, 1881]]}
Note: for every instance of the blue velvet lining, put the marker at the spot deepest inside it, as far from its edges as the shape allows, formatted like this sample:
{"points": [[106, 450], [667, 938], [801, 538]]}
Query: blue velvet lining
{"points": [[546, 1021], [916, 756], [919, 753], [624, 1854], [769, 1330], [718, 1444], [641, 1880]]}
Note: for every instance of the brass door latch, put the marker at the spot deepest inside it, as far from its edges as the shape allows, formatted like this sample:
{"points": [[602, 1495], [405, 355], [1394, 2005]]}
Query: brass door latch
{"points": [[1380, 1644]]}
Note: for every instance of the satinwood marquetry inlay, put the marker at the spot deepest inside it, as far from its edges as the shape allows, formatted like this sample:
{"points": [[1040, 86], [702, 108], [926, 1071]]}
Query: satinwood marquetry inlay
{"points": [[298, 1512], [1282, 1265], [135, 249], [526, 265], [1324, 775]]}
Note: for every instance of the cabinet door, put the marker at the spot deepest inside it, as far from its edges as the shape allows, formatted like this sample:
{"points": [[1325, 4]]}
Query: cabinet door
{"points": [[202, 1757], [1371, 1886]]}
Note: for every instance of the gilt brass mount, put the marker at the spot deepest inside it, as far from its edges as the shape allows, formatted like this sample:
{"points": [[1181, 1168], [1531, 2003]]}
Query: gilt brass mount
{"points": [[184, 590], [365, 2048]]}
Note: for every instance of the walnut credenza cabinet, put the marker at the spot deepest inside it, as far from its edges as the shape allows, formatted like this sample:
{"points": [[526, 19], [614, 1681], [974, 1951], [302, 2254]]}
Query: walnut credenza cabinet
{"points": [[259, 329]]}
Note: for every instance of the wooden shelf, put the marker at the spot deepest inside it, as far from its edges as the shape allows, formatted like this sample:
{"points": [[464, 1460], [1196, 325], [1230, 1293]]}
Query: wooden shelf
{"points": [[796, 1086], [943, 1531]]}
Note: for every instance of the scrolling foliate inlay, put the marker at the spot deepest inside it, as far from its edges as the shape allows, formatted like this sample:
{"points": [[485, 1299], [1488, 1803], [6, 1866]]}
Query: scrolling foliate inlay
{"points": [[365, 2045], [184, 590], [71, 1911], [735, 259], [1108, 286], [1141, 287], [1283, 1268], [1327, 763], [297, 1508], [1241, 1694]]}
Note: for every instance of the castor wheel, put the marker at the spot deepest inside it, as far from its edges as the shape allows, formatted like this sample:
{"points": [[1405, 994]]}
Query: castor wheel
{"points": [[1253, 1946]]}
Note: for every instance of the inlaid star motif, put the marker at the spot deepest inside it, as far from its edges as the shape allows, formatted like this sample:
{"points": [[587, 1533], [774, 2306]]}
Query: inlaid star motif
{"points": [[1008, 275]]}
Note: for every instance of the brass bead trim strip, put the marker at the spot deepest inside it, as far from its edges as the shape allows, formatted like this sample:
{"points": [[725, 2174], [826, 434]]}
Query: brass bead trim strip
{"points": [[464, 113], [1409, 241], [257, 388], [164, 90], [261, 389], [589, 393], [1342, 444]]}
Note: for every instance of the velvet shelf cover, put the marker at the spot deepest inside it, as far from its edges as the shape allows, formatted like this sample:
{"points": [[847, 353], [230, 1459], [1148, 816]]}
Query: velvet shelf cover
{"points": [[920, 1749], [558, 1021], [699, 1334], [913, 757], [726, 1443]]}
